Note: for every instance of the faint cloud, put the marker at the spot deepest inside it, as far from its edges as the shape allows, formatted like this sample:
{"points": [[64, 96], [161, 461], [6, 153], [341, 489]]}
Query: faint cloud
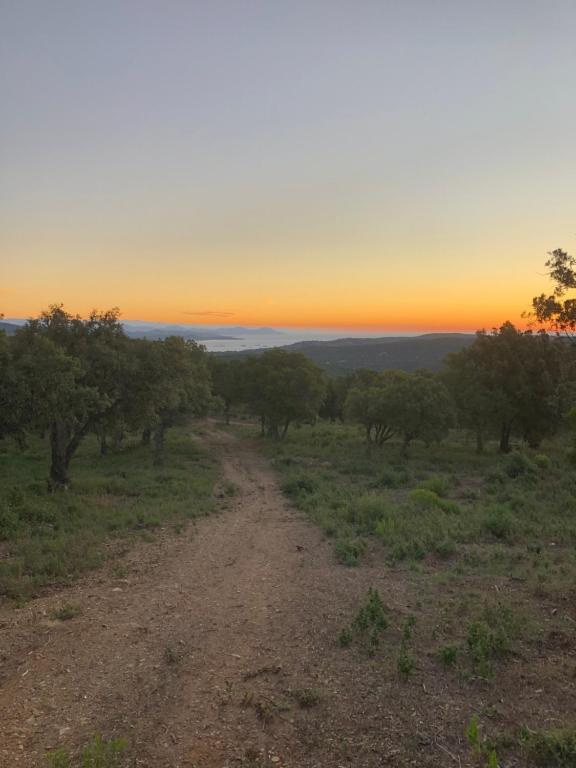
{"points": [[211, 313]]}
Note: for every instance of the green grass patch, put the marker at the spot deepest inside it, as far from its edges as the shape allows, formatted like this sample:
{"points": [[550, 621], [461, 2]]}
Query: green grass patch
{"points": [[50, 538]]}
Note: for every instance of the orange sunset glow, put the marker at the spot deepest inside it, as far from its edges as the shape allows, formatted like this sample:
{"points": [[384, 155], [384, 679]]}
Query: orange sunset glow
{"points": [[366, 184]]}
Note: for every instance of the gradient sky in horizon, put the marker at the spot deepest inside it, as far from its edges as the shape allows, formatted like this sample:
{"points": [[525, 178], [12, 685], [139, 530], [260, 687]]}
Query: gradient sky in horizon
{"points": [[380, 165]]}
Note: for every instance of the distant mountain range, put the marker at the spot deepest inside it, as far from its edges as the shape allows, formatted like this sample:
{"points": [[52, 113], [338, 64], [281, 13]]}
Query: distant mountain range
{"points": [[141, 330], [380, 354], [8, 328], [136, 329]]}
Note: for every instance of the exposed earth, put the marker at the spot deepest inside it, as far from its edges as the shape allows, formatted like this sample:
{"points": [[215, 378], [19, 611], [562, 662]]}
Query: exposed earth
{"points": [[219, 647]]}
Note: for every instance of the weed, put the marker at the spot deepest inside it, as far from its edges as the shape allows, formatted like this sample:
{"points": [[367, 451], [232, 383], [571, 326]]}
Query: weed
{"points": [[473, 733], [368, 624], [345, 637], [98, 754], [170, 655], [307, 697], [404, 663], [448, 655], [67, 611], [349, 550]]}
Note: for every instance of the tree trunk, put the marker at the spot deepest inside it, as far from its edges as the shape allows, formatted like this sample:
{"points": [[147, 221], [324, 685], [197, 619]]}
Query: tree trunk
{"points": [[103, 444], [505, 433], [479, 440], [159, 444], [146, 435], [285, 429], [262, 426], [227, 411], [59, 459], [273, 431], [408, 437]]}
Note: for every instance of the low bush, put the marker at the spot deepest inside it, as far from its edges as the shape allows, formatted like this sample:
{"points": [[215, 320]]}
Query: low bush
{"points": [[550, 749]]}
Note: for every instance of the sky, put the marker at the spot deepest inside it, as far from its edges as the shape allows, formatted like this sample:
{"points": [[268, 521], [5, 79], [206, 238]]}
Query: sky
{"points": [[364, 164]]}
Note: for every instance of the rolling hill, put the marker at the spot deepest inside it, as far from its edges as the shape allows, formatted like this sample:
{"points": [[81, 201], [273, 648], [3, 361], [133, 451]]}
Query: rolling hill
{"points": [[387, 353]]}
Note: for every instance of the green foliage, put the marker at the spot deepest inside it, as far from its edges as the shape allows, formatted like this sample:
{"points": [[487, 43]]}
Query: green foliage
{"points": [[415, 406], [282, 388], [550, 749], [509, 380]]}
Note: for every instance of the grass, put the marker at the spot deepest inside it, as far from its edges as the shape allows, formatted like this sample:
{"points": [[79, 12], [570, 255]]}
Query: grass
{"points": [[100, 753], [444, 503], [482, 548], [50, 538]]}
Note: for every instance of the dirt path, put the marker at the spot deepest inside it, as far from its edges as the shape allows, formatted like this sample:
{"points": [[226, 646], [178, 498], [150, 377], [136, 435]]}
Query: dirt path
{"points": [[200, 656]]}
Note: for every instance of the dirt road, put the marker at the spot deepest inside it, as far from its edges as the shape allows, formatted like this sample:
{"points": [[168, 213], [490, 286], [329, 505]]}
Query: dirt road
{"points": [[216, 648]]}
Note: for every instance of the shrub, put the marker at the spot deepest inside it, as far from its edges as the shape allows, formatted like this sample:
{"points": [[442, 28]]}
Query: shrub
{"points": [[368, 624], [404, 664], [500, 523], [448, 655], [299, 486], [518, 464], [490, 638], [9, 522], [67, 611], [551, 749], [349, 550], [390, 478], [542, 461], [367, 511], [307, 697], [439, 485], [424, 498]]}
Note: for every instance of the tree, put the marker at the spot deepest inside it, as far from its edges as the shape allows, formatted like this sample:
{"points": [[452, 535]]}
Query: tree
{"points": [[12, 403], [282, 388], [177, 385], [554, 310], [370, 402], [337, 389], [413, 405], [421, 408], [469, 385], [510, 378], [66, 366], [227, 382]]}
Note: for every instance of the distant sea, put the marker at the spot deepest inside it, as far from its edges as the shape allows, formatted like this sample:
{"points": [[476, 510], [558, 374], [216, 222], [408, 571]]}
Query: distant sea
{"points": [[289, 337]]}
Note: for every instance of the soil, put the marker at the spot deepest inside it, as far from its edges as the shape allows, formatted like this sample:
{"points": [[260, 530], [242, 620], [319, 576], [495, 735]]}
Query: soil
{"points": [[219, 647]]}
